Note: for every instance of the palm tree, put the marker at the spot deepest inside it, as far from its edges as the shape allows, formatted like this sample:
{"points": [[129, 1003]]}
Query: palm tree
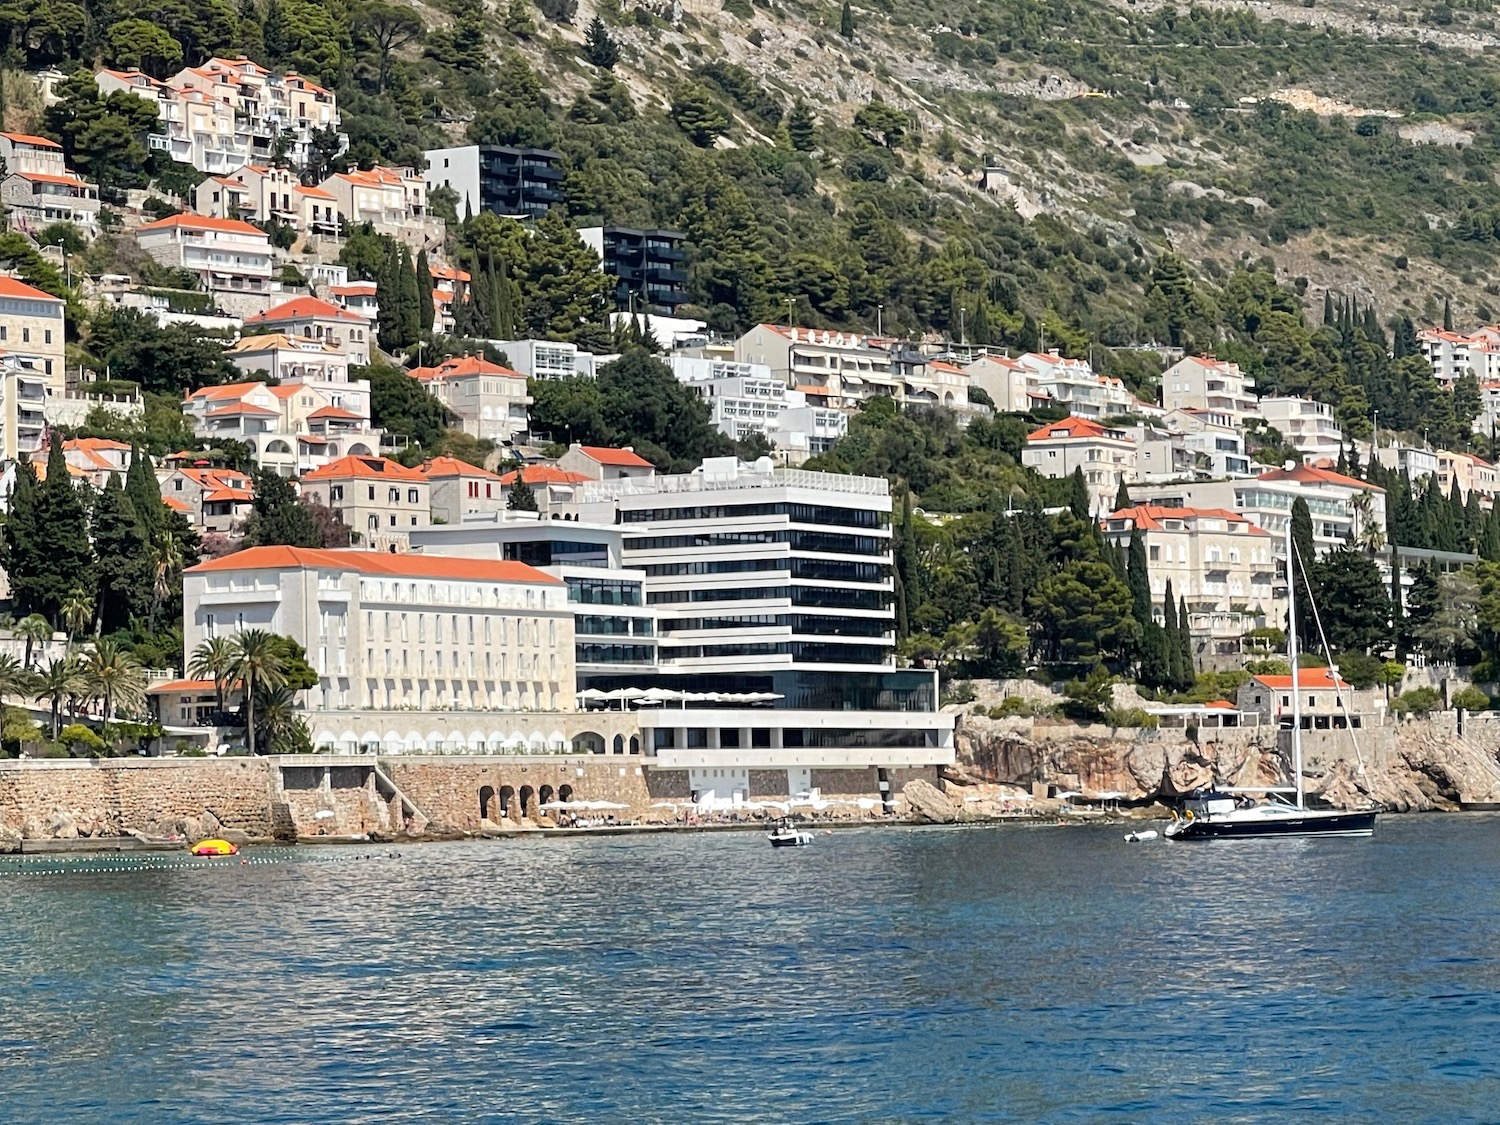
{"points": [[276, 713], [34, 630], [15, 678], [215, 660], [56, 682], [77, 611], [114, 676], [258, 665], [166, 557]]}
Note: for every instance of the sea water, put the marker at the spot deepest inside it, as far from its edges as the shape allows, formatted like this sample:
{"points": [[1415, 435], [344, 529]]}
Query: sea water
{"points": [[881, 975]]}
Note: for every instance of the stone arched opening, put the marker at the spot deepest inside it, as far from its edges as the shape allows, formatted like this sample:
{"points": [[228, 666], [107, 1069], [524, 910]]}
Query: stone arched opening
{"points": [[486, 802], [619, 744], [564, 792], [545, 796], [507, 801], [528, 801]]}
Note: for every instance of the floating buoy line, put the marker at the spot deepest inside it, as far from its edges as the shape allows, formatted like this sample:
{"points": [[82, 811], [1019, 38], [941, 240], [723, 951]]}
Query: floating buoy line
{"points": [[96, 864]]}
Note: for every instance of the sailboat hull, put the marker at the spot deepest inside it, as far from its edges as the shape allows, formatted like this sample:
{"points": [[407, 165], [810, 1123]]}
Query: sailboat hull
{"points": [[1301, 823]]}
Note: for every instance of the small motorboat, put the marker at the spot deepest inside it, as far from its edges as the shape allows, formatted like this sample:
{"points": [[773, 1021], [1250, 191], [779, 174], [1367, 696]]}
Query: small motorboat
{"points": [[1140, 835], [785, 835], [215, 847]]}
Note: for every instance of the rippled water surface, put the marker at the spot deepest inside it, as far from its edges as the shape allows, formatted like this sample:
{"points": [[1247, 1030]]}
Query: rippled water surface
{"points": [[1016, 974]]}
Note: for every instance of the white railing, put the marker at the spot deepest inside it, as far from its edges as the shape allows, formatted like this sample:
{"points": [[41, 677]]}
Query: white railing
{"points": [[595, 491]]}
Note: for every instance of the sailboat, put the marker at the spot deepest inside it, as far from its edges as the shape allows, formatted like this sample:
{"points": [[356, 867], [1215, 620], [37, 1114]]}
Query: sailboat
{"points": [[1228, 815]]}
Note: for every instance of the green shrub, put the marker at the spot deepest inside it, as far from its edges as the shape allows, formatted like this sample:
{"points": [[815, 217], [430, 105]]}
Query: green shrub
{"points": [[1469, 699], [1131, 717], [1418, 701], [80, 741]]}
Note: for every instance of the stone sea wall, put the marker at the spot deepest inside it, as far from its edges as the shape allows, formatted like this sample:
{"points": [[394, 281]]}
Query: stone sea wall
{"points": [[322, 795]]}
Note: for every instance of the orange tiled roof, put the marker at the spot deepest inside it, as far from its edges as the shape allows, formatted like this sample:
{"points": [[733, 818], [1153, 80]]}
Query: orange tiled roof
{"points": [[10, 287], [364, 468], [1306, 678], [453, 467], [30, 139], [49, 178], [378, 562], [1071, 427], [204, 222], [544, 474], [1149, 517], [315, 192], [1308, 474], [181, 685], [334, 412], [459, 366], [303, 308], [622, 457]]}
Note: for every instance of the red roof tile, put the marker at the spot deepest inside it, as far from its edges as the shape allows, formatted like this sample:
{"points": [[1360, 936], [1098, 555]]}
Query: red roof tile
{"points": [[544, 474], [622, 457], [203, 222], [364, 468], [453, 467], [378, 562], [303, 308]]}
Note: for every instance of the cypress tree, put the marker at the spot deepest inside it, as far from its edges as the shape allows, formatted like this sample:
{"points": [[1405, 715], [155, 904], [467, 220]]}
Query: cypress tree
{"points": [[1122, 496], [599, 47], [1169, 637], [411, 301], [144, 491], [846, 21], [1185, 642], [1447, 315], [1489, 543], [62, 525], [907, 593], [1299, 568], [1078, 495], [1138, 579], [388, 295], [1398, 613], [1328, 307], [126, 567], [521, 497], [21, 550], [426, 314], [506, 299]]}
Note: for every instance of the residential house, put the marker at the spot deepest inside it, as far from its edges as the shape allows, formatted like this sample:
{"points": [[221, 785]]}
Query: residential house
{"points": [[1204, 382], [378, 499], [392, 200], [309, 318], [1452, 354], [745, 398], [460, 490], [26, 152], [551, 359], [601, 463], [1220, 563], [386, 632], [1005, 381], [292, 427], [1470, 473], [554, 489], [1217, 444], [98, 458], [358, 297], [489, 400], [227, 256], [268, 194], [217, 501], [1327, 701], [1104, 456], [449, 285], [1073, 384], [37, 199], [1417, 464]]}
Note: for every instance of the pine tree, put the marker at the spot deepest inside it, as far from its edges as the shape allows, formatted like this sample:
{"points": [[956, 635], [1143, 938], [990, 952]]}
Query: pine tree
{"points": [[1185, 641], [598, 46], [521, 498], [846, 21], [279, 518], [126, 569], [426, 313], [801, 129]]}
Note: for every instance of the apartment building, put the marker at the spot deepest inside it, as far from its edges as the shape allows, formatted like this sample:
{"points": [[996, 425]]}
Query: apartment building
{"points": [[1105, 456], [833, 369], [309, 318], [97, 458], [491, 401], [1456, 353], [392, 200], [31, 363], [36, 199], [1342, 508], [227, 256], [770, 585], [1074, 385], [746, 398], [649, 267], [379, 500], [551, 359], [390, 632], [1471, 473], [499, 178], [1217, 444], [614, 630], [449, 284], [266, 194], [1219, 562], [1306, 425], [462, 491], [1204, 382], [291, 428], [360, 298]]}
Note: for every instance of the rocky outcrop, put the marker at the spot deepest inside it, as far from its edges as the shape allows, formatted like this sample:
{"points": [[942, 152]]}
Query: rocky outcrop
{"points": [[928, 803], [10, 840]]}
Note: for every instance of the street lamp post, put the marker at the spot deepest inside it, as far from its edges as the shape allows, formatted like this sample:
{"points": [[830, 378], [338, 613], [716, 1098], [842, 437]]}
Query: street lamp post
{"points": [[880, 320], [963, 338]]}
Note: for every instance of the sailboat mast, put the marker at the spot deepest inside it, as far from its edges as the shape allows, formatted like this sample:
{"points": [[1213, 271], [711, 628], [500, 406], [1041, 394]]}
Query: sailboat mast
{"points": [[1291, 651]]}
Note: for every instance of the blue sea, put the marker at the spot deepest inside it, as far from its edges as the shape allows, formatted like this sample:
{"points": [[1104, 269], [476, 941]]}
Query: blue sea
{"points": [[1015, 974]]}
